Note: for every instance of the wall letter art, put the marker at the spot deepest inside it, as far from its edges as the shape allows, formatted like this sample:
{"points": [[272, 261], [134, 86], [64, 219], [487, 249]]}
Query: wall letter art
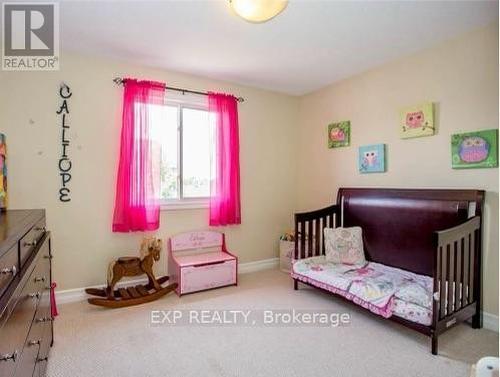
{"points": [[64, 163]]}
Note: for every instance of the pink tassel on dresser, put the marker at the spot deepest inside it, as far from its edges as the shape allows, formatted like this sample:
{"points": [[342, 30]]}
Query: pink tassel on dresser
{"points": [[53, 305]]}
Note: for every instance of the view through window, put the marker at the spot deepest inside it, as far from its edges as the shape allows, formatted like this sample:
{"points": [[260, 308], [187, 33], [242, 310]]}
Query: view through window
{"points": [[183, 134]]}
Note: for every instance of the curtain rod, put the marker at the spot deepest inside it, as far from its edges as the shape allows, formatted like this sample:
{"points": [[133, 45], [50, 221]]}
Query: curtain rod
{"points": [[121, 81]]}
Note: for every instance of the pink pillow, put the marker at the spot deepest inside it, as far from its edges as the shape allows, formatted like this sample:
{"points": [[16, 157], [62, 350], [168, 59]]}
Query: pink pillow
{"points": [[344, 245]]}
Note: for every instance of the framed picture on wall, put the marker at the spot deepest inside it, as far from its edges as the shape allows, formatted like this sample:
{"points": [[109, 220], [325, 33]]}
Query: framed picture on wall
{"points": [[478, 149], [339, 134], [371, 158], [417, 121]]}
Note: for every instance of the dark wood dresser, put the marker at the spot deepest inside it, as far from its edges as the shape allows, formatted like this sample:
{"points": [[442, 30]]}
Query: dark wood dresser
{"points": [[26, 331]]}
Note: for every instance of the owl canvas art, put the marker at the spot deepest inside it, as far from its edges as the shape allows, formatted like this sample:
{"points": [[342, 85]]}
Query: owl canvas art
{"points": [[475, 149], [371, 158], [339, 134], [417, 121]]}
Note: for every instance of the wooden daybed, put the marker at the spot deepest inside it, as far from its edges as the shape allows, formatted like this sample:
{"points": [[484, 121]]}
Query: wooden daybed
{"points": [[433, 233]]}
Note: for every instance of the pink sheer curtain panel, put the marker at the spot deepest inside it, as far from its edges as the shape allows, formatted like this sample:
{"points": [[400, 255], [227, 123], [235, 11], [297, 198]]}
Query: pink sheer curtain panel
{"points": [[136, 203], [225, 206]]}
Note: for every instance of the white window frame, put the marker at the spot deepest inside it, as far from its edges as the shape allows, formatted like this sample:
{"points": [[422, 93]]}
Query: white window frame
{"points": [[181, 101]]}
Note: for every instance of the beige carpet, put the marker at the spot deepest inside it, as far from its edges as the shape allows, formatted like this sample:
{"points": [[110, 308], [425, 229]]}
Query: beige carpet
{"points": [[95, 342]]}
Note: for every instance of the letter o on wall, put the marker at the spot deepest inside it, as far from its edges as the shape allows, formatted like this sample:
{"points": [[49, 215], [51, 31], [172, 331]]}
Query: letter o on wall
{"points": [[62, 162]]}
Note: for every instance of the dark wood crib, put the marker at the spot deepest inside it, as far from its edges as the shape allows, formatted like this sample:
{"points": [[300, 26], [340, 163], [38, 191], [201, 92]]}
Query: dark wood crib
{"points": [[433, 232]]}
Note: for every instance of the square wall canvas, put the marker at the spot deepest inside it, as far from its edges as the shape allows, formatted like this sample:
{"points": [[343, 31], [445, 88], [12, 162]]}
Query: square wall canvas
{"points": [[417, 121], [371, 158], [339, 134], [477, 149]]}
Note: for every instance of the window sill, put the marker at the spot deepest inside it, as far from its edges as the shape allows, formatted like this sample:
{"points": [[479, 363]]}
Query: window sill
{"points": [[184, 205]]}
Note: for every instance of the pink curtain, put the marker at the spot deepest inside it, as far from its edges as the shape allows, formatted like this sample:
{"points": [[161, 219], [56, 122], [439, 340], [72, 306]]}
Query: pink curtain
{"points": [[137, 185], [225, 180]]}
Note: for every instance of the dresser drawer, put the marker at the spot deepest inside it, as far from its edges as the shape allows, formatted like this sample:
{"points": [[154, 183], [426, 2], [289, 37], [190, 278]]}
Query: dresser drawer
{"points": [[28, 243], [11, 343], [43, 354], [42, 316], [8, 268], [26, 305], [37, 343], [15, 330], [43, 322], [41, 274], [31, 348], [199, 278], [10, 350]]}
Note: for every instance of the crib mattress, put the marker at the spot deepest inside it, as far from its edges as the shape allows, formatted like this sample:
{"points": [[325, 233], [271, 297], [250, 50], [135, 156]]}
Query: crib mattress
{"points": [[384, 290], [412, 312]]}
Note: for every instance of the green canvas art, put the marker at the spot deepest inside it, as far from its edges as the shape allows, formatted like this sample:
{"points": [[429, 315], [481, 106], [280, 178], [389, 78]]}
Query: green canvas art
{"points": [[478, 149], [339, 134]]}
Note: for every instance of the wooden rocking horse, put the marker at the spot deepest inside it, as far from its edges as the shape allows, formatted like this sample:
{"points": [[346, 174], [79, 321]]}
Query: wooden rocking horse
{"points": [[133, 266]]}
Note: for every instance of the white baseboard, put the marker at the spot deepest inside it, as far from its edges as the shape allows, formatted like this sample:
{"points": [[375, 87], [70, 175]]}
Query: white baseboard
{"points": [[264, 264], [78, 294], [490, 321]]}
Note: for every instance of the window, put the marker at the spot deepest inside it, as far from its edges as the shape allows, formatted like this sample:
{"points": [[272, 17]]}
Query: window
{"points": [[184, 136]]}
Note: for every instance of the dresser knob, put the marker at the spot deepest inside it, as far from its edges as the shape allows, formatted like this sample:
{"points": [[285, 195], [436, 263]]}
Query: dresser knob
{"points": [[35, 295], [9, 356], [39, 279], [12, 270], [34, 342], [32, 243], [48, 256]]}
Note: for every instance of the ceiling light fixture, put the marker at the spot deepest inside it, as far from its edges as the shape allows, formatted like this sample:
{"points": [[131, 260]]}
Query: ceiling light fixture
{"points": [[258, 10]]}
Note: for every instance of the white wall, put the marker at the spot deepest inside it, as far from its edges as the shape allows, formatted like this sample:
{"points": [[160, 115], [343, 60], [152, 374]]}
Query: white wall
{"points": [[461, 78], [83, 241]]}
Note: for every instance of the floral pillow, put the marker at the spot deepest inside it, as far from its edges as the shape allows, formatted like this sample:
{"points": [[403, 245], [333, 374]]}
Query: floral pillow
{"points": [[344, 245]]}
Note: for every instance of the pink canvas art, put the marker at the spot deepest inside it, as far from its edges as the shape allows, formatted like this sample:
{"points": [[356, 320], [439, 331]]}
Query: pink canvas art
{"points": [[339, 134]]}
